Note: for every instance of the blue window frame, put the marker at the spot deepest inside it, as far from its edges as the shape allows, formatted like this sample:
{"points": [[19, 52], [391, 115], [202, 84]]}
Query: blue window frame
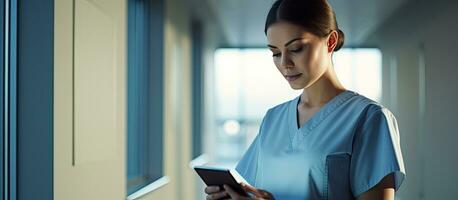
{"points": [[197, 87], [145, 93], [29, 89], [2, 145], [35, 61], [8, 84]]}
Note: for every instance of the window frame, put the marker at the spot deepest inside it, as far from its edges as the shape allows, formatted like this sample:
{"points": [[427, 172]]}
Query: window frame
{"points": [[145, 52], [9, 99], [2, 105], [197, 87], [33, 53]]}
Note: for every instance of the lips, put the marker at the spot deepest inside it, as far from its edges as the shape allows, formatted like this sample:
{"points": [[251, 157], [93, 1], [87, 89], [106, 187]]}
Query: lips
{"points": [[293, 77]]}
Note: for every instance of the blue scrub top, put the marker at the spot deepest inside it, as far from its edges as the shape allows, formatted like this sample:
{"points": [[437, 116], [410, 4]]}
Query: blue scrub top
{"points": [[344, 150]]}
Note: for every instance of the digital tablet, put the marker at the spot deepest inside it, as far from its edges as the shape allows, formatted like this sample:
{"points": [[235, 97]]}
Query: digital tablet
{"points": [[215, 176]]}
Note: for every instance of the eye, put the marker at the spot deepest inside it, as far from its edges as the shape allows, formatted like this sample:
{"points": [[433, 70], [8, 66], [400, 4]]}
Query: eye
{"points": [[276, 55], [297, 50]]}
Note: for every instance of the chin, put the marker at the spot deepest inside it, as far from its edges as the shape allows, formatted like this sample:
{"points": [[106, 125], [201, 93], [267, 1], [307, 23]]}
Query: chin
{"points": [[296, 87], [299, 85]]}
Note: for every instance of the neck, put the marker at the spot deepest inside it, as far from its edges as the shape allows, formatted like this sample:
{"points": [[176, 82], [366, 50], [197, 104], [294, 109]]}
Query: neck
{"points": [[323, 90]]}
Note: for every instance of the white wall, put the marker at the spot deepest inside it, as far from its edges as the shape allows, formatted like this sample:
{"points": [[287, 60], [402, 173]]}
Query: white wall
{"points": [[89, 104], [103, 177], [420, 74]]}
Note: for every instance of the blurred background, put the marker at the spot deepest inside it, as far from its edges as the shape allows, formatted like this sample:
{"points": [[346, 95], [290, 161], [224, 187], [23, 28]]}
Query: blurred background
{"points": [[118, 99]]}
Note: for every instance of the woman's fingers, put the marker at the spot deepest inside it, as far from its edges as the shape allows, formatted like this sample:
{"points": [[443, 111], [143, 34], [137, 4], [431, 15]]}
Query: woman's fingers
{"points": [[232, 193], [248, 188], [266, 195], [256, 192], [215, 196], [212, 189], [214, 193]]}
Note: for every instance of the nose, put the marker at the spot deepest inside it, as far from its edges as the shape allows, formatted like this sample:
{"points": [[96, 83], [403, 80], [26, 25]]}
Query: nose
{"points": [[286, 61]]}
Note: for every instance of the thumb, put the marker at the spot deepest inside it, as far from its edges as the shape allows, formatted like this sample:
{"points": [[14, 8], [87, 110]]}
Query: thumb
{"points": [[256, 192], [251, 189]]}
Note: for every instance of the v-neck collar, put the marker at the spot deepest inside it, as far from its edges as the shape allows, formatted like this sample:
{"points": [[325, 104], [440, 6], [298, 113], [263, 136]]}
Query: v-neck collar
{"points": [[297, 133]]}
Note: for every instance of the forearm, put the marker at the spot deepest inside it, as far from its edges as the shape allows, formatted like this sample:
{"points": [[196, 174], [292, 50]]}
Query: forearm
{"points": [[384, 190]]}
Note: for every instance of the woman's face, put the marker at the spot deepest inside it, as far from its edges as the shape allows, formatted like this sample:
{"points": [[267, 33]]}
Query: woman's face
{"points": [[300, 56]]}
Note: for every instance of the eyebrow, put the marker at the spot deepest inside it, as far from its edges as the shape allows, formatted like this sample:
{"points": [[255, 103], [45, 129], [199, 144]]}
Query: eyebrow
{"points": [[286, 44]]}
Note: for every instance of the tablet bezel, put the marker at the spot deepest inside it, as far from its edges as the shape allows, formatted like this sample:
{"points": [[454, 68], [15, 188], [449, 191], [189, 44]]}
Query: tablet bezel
{"points": [[213, 176]]}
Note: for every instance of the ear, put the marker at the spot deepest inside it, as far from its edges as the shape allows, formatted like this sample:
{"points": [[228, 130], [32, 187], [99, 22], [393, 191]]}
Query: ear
{"points": [[332, 40]]}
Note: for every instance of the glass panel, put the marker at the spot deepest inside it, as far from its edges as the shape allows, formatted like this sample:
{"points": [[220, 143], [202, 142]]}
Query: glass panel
{"points": [[245, 81], [360, 70], [137, 97], [144, 109], [248, 84], [197, 85]]}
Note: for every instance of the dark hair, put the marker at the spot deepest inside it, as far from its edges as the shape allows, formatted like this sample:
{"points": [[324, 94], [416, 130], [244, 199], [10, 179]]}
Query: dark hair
{"points": [[315, 16]]}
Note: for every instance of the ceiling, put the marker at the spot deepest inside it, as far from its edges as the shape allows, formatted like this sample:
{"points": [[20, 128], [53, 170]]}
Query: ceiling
{"points": [[243, 21]]}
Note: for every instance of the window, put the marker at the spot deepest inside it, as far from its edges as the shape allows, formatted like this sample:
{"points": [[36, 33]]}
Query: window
{"points": [[360, 70], [247, 84], [145, 93], [197, 88]]}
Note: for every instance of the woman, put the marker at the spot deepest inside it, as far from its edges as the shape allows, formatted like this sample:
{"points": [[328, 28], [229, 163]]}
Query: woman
{"points": [[329, 142]]}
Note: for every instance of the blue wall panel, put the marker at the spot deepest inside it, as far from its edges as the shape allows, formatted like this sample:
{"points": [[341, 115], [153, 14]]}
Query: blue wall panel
{"points": [[197, 87], [35, 99]]}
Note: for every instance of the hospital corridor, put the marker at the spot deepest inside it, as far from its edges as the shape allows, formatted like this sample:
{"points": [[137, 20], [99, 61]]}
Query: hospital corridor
{"points": [[122, 99]]}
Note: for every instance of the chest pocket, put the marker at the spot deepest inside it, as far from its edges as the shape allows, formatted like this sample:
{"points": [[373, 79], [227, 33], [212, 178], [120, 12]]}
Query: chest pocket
{"points": [[337, 179]]}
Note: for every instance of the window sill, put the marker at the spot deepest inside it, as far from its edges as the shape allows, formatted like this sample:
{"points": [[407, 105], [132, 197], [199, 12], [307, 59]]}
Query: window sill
{"points": [[149, 188], [201, 160]]}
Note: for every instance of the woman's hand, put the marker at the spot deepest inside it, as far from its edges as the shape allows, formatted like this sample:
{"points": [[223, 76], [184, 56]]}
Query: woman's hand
{"points": [[215, 193], [257, 194]]}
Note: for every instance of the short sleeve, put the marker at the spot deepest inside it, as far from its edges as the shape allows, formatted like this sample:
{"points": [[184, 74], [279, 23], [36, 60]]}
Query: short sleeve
{"points": [[376, 151], [247, 166]]}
